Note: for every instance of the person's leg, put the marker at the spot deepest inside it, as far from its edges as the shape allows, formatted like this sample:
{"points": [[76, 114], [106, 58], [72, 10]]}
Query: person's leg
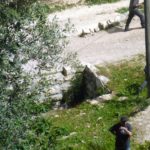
{"points": [[141, 16], [127, 147], [131, 15]]}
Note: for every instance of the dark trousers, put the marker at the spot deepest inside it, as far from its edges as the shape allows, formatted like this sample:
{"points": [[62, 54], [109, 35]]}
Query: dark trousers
{"points": [[128, 148], [132, 13]]}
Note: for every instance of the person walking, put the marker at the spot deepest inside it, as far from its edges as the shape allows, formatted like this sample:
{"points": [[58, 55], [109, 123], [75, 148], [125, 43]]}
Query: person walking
{"points": [[133, 10], [123, 132]]}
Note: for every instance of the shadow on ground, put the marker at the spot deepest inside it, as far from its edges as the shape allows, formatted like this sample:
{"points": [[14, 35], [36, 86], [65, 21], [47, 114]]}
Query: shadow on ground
{"points": [[120, 29]]}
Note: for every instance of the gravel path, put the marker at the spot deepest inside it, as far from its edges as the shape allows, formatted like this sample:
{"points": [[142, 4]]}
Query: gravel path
{"points": [[109, 46], [87, 17]]}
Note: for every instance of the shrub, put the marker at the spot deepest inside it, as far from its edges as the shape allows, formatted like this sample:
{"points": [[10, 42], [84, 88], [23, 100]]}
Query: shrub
{"points": [[145, 146], [26, 38]]}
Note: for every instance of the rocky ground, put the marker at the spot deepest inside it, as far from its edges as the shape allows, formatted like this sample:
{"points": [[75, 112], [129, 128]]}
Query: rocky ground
{"points": [[107, 46], [141, 123]]}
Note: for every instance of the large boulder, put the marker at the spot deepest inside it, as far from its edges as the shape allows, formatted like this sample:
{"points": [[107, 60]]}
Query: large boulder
{"points": [[92, 84]]}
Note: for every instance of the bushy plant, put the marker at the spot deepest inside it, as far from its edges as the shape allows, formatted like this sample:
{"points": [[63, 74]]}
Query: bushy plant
{"points": [[41, 133], [30, 49], [145, 146]]}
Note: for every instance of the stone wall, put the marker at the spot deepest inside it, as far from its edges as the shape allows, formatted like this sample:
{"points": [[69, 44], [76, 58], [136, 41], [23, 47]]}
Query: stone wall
{"points": [[61, 82], [91, 83]]}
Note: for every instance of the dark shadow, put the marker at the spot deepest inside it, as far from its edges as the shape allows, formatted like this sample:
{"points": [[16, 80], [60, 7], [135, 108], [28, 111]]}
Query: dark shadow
{"points": [[120, 29], [137, 28], [133, 89], [138, 103], [115, 29]]}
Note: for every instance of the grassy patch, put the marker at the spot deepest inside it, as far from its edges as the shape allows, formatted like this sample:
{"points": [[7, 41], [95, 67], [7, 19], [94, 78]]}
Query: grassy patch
{"points": [[59, 7], [54, 7], [125, 77], [145, 146], [122, 10], [88, 125], [126, 9], [100, 1]]}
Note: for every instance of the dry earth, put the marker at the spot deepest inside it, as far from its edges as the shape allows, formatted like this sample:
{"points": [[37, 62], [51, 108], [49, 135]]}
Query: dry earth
{"points": [[109, 46]]}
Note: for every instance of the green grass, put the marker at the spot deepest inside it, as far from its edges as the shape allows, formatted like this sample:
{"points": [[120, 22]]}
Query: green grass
{"points": [[122, 10], [90, 2], [59, 7], [126, 9], [126, 76], [91, 123], [88, 125]]}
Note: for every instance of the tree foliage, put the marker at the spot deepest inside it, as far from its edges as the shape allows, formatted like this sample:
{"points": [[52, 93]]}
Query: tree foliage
{"points": [[26, 39]]}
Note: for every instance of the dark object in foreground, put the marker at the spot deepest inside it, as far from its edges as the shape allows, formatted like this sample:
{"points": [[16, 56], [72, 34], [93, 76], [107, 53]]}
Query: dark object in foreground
{"points": [[133, 10], [122, 132]]}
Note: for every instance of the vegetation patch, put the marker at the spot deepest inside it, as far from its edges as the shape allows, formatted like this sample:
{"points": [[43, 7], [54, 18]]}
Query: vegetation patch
{"points": [[26, 37], [126, 9], [90, 2], [122, 10], [88, 125], [56, 7], [59, 7], [145, 146], [126, 76]]}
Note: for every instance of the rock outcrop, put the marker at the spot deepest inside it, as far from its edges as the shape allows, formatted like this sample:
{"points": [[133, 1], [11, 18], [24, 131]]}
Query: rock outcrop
{"points": [[91, 84]]}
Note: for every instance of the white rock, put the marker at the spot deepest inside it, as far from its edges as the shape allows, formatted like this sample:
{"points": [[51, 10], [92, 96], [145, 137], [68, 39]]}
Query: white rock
{"points": [[94, 102], [105, 97], [56, 116], [56, 89], [90, 66], [57, 96], [104, 79], [122, 98], [65, 86], [30, 67], [100, 118], [73, 133]]}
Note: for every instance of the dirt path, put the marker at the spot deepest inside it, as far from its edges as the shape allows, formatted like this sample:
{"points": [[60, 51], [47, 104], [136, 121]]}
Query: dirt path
{"points": [[88, 17], [141, 123], [109, 46]]}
